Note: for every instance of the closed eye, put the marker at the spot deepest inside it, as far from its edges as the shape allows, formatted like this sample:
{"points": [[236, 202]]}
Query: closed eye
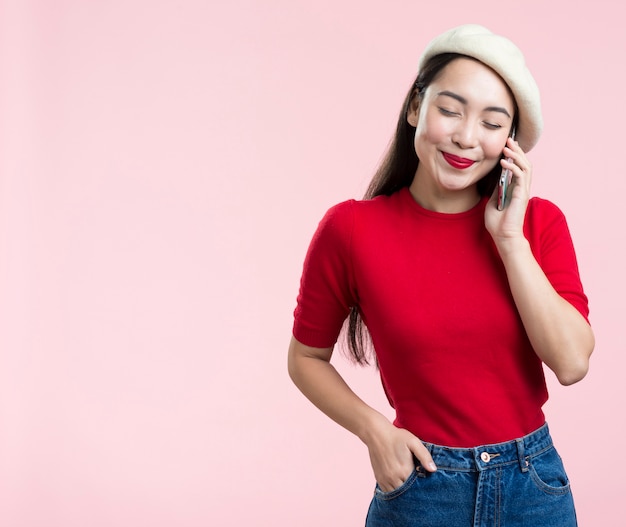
{"points": [[444, 111]]}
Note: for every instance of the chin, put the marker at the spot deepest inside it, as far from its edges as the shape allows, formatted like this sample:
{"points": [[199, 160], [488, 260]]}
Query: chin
{"points": [[457, 184]]}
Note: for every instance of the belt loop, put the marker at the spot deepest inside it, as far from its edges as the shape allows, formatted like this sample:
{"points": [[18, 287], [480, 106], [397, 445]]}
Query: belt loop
{"points": [[523, 462]]}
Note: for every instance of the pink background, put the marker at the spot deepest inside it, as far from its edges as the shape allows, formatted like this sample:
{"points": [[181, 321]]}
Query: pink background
{"points": [[163, 166]]}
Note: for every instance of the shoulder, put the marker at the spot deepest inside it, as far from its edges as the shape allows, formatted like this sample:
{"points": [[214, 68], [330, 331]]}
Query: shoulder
{"points": [[544, 207], [545, 227], [347, 211], [542, 213], [338, 217], [335, 228], [377, 209]]}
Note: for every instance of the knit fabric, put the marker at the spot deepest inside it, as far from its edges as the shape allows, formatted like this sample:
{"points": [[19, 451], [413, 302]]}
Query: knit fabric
{"points": [[455, 361]]}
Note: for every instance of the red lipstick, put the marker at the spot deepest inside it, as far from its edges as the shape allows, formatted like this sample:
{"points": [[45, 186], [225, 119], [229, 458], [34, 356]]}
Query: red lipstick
{"points": [[457, 162]]}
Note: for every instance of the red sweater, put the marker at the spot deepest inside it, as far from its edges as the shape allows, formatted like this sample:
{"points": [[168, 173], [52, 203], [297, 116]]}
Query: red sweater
{"points": [[455, 361]]}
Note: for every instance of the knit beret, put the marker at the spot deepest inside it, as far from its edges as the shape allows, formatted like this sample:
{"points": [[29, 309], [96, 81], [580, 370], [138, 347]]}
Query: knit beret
{"points": [[501, 55]]}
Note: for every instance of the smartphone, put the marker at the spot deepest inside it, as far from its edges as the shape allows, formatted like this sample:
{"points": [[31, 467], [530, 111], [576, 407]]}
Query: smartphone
{"points": [[504, 181]]}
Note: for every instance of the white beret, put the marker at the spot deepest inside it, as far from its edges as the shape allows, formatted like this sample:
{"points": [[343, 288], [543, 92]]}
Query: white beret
{"points": [[501, 55]]}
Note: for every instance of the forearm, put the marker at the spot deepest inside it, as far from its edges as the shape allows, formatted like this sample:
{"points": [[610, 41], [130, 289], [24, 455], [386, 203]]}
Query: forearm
{"points": [[391, 449], [320, 382], [559, 334]]}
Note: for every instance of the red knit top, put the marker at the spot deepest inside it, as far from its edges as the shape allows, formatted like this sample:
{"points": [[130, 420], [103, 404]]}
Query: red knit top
{"points": [[455, 361]]}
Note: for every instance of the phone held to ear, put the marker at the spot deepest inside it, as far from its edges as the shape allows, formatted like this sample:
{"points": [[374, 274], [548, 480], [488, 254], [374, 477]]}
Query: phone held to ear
{"points": [[504, 182]]}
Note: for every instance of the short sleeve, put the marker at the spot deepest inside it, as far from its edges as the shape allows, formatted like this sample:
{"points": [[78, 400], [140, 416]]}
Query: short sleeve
{"points": [[551, 242], [327, 289]]}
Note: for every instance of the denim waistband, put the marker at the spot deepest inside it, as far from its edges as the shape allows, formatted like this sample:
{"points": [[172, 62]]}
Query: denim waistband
{"points": [[486, 457]]}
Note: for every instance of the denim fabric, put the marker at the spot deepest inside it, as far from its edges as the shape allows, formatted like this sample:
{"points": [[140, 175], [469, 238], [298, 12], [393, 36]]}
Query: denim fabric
{"points": [[513, 484]]}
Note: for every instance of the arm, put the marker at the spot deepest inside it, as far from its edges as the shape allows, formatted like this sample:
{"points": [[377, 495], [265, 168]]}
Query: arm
{"points": [[391, 449], [559, 334]]}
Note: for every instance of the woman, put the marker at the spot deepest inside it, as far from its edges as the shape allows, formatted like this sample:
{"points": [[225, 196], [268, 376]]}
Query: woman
{"points": [[463, 302]]}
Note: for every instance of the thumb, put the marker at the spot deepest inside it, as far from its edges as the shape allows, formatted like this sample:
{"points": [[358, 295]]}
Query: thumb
{"points": [[423, 455]]}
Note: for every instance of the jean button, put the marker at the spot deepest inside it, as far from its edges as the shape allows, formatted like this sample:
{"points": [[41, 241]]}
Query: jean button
{"points": [[485, 457]]}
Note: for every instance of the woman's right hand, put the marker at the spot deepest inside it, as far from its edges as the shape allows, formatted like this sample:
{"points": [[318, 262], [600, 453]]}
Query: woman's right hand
{"points": [[391, 451]]}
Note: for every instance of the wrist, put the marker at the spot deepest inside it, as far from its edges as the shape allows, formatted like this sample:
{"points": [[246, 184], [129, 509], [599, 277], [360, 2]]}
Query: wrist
{"points": [[371, 426], [512, 246]]}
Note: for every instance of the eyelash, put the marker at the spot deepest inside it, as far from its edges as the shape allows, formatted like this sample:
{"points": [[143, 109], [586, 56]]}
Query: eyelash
{"points": [[443, 111], [449, 113]]}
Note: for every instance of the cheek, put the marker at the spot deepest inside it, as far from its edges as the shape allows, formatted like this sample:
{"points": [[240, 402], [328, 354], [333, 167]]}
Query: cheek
{"points": [[430, 132], [493, 149], [436, 129]]}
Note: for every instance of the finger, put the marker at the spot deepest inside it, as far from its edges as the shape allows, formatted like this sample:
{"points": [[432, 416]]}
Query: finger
{"points": [[514, 156], [423, 455], [390, 482], [515, 153], [520, 169], [390, 487], [512, 143], [511, 164], [521, 174]]}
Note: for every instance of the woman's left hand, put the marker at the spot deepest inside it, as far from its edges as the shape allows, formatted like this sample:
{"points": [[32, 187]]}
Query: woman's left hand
{"points": [[506, 225]]}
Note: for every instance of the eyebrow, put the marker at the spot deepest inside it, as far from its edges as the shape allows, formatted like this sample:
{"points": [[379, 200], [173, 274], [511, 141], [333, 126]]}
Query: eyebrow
{"points": [[463, 100]]}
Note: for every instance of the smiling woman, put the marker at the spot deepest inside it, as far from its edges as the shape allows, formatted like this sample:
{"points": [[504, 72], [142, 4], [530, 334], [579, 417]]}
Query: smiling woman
{"points": [[462, 121], [449, 290]]}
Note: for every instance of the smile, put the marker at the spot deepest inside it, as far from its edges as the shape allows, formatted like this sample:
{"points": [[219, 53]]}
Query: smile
{"points": [[457, 162]]}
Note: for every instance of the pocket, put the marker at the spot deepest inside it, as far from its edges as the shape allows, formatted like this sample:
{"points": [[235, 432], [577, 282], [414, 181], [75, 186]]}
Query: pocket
{"points": [[548, 473], [408, 483]]}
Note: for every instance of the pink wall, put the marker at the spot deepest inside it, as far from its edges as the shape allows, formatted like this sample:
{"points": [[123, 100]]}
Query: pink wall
{"points": [[163, 166]]}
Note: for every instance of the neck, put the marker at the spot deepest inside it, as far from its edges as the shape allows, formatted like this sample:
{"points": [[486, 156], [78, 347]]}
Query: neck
{"points": [[448, 202]]}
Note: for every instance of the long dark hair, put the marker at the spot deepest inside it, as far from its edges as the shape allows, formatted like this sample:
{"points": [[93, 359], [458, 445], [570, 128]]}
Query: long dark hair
{"points": [[395, 172]]}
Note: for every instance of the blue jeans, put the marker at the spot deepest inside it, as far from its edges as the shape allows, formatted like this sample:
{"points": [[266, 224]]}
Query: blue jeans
{"points": [[513, 484]]}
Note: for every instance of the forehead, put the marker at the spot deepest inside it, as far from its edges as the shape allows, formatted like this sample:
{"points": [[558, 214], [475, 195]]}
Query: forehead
{"points": [[474, 81]]}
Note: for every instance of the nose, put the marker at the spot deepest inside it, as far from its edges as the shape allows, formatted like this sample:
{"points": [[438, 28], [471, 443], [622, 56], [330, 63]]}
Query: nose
{"points": [[466, 135]]}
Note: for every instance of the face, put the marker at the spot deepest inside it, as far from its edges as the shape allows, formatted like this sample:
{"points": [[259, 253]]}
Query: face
{"points": [[461, 125]]}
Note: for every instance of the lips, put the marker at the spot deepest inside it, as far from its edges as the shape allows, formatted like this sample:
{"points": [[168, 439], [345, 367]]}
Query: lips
{"points": [[457, 162]]}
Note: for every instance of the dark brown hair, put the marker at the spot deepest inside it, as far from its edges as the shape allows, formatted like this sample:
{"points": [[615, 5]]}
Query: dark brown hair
{"points": [[395, 172]]}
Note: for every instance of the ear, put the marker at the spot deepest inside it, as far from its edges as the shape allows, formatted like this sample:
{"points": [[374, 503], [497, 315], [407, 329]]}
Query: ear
{"points": [[413, 111]]}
